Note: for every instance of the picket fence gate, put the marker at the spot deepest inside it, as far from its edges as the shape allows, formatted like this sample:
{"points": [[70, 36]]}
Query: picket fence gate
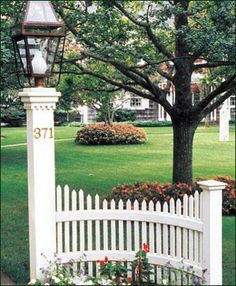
{"points": [[186, 233]]}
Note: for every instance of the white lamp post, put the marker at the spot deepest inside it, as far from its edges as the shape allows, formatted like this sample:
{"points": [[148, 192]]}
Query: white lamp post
{"points": [[37, 41]]}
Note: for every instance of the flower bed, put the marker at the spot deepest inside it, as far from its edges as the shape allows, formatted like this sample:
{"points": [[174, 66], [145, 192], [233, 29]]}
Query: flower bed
{"points": [[160, 192], [117, 133], [116, 273]]}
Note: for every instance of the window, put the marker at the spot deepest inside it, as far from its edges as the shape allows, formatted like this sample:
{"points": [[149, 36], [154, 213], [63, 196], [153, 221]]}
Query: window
{"points": [[232, 113], [135, 101], [195, 97], [232, 100]]}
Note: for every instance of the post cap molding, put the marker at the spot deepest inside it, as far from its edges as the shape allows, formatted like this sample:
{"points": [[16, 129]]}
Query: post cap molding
{"points": [[211, 185], [39, 98]]}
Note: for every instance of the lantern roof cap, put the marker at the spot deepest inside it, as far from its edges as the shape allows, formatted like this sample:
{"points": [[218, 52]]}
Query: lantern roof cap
{"points": [[40, 13]]}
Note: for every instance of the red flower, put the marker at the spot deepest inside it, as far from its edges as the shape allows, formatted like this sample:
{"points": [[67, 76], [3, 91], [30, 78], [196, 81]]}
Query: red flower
{"points": [[106, 259], [145, 247], [101, 262], [129, 278], [158, 266]]}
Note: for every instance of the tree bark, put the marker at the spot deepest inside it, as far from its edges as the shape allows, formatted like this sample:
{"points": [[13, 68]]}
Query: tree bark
{"points": [[182, 152]]}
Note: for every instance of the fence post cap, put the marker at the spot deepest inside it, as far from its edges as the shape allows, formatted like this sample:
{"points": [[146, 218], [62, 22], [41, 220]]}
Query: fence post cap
{"points": [[211, 185]]}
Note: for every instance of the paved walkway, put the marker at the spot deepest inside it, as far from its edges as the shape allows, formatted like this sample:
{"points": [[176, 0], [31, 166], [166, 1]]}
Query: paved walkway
{"points": [[5, 280]]}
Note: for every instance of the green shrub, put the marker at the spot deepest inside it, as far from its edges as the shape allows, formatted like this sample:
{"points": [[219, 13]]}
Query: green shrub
{"points": [[122, 115], [232, 121], [13, 116], [158, 192], [117, 133], [151, 123]]}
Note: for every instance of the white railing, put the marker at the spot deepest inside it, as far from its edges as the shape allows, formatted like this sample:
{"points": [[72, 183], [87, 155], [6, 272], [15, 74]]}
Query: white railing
{"points": [[187, 231]]}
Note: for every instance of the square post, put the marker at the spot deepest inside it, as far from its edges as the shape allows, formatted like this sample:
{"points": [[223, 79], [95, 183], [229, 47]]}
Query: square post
{"points": [[40, 104], [211, 216]]}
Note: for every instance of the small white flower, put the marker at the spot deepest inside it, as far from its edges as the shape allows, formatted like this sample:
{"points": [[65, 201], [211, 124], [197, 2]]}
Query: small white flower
{"points": [[56, 280], [165, 282], [106, 282], [32, 282], [46, 284]]}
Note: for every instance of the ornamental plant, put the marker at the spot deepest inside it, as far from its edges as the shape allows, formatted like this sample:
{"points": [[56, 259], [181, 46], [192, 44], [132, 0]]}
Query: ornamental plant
{"points": [[142, 268], [117, 133], [164, 192], [115, 273]]}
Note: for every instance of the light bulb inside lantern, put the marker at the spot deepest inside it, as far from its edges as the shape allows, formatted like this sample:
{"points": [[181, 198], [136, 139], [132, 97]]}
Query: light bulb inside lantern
{"points": [[39, 65]]}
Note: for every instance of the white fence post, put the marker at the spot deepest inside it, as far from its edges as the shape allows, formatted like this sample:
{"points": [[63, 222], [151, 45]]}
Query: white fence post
{"points": [[211, 215], [40, 103]]}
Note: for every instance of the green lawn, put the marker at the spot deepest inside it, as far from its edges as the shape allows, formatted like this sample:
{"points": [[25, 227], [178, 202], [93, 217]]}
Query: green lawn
{"points": [[96, 169]]}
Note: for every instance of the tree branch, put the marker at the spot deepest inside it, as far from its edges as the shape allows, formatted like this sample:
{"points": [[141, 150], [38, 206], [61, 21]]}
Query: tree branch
{"points": [[224, 86], [131, 18], [217, 103], [213, 64], [124, 69]]}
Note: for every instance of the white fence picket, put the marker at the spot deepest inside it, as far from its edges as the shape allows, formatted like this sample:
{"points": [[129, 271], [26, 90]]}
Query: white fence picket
{"points": [[172, 229], [151, 236], [191, 244], [128, 236], [90, 235], [151, 230], [81, 228], [136, 229], [74, 227], [196, 233], [128, 228], [59, 224], [178, 240], [105, 227], [144, 224], [97, 225], [97, 230], [121, 227], [185, 231], [165, 232], [67, 224], [158, 232], [113, 228]]}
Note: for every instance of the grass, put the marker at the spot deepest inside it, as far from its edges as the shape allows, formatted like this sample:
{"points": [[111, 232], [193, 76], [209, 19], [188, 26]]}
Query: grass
{"points": [[96, 169]]}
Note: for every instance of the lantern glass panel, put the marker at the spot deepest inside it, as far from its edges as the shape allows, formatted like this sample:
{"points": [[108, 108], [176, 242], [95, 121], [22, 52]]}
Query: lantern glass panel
{"points": [[22, 53], [40, 11], [42, 53]]}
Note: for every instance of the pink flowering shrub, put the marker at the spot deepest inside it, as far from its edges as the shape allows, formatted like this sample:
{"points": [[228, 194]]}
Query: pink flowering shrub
{"points": [[164, 192], [117, 133]]}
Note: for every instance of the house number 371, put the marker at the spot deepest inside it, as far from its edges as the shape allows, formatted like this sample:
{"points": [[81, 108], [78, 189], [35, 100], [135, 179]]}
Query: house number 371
{"points": [[43, 133]]}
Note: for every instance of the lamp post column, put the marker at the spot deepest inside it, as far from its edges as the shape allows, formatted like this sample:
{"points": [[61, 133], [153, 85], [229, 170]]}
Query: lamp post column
{"points": [[40, 104]]}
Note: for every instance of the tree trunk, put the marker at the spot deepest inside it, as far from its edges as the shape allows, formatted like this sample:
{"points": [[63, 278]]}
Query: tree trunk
{"points": [[183, 145]]}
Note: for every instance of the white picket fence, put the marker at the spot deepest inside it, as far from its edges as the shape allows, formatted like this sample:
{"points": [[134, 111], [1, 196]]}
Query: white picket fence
{"points": [[92, 229]]}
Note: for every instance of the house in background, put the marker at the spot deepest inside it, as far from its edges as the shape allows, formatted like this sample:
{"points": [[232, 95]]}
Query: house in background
{"points": [[146, 109]]}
